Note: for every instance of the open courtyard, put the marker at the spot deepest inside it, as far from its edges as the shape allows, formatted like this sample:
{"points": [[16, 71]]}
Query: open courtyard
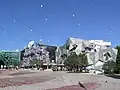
{"points": [[49, 80]]}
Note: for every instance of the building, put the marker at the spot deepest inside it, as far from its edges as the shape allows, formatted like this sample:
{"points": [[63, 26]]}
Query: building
{"points": [[98, 52], [38, 51], [14, 57]]}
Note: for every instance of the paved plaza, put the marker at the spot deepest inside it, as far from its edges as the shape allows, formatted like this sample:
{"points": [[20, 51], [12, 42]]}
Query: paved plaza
{"points": [[48, 80]]}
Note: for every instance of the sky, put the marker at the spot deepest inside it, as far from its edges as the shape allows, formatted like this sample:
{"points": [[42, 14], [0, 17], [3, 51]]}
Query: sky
{"points": [[54, 21]]}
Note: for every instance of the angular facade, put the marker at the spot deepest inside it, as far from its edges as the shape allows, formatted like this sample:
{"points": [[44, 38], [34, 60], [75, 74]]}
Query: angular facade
{"points": [[38, 51], [98, 52]]}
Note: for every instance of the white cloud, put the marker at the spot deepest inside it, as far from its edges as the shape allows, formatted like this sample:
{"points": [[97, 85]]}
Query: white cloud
{"points": [[46, 19], [73, 15], [41, 5]]}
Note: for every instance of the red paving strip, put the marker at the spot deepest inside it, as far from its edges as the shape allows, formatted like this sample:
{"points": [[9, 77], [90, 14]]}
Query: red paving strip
{"points": [[19, 81], [89, 86]]}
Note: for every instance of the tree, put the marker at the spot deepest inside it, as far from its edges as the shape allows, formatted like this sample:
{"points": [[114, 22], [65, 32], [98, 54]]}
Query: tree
{"points": [[83, 62], [117, 67], [109, 66], [74, 62], [16, 62], [71, 62], [36, 62]]}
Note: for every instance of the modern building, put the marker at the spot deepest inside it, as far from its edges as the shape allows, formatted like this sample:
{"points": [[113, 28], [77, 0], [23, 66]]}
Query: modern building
{"points": [[45, 53], [98, 52], [4, 62]]}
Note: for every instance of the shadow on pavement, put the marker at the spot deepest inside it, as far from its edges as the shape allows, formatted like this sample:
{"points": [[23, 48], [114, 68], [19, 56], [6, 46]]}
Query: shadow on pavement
{"points": [[76, 72], [113, 76]]}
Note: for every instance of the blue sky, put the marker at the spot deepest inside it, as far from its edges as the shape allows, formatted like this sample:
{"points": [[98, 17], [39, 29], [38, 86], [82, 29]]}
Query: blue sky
{"points": [[57, 20]]}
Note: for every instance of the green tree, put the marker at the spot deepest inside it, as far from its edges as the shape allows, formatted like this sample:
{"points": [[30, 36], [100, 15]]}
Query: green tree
{"points": [[16, 62], [36, 62], [109, 66], [117, 67], [74, 62], [71, 62], [83, 61]]}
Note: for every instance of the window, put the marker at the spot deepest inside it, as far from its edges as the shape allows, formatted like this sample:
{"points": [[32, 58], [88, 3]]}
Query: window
{"points": [[95, 50]]}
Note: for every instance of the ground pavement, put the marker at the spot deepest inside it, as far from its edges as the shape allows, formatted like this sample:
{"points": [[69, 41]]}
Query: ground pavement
{"points": [[47, 80]]}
